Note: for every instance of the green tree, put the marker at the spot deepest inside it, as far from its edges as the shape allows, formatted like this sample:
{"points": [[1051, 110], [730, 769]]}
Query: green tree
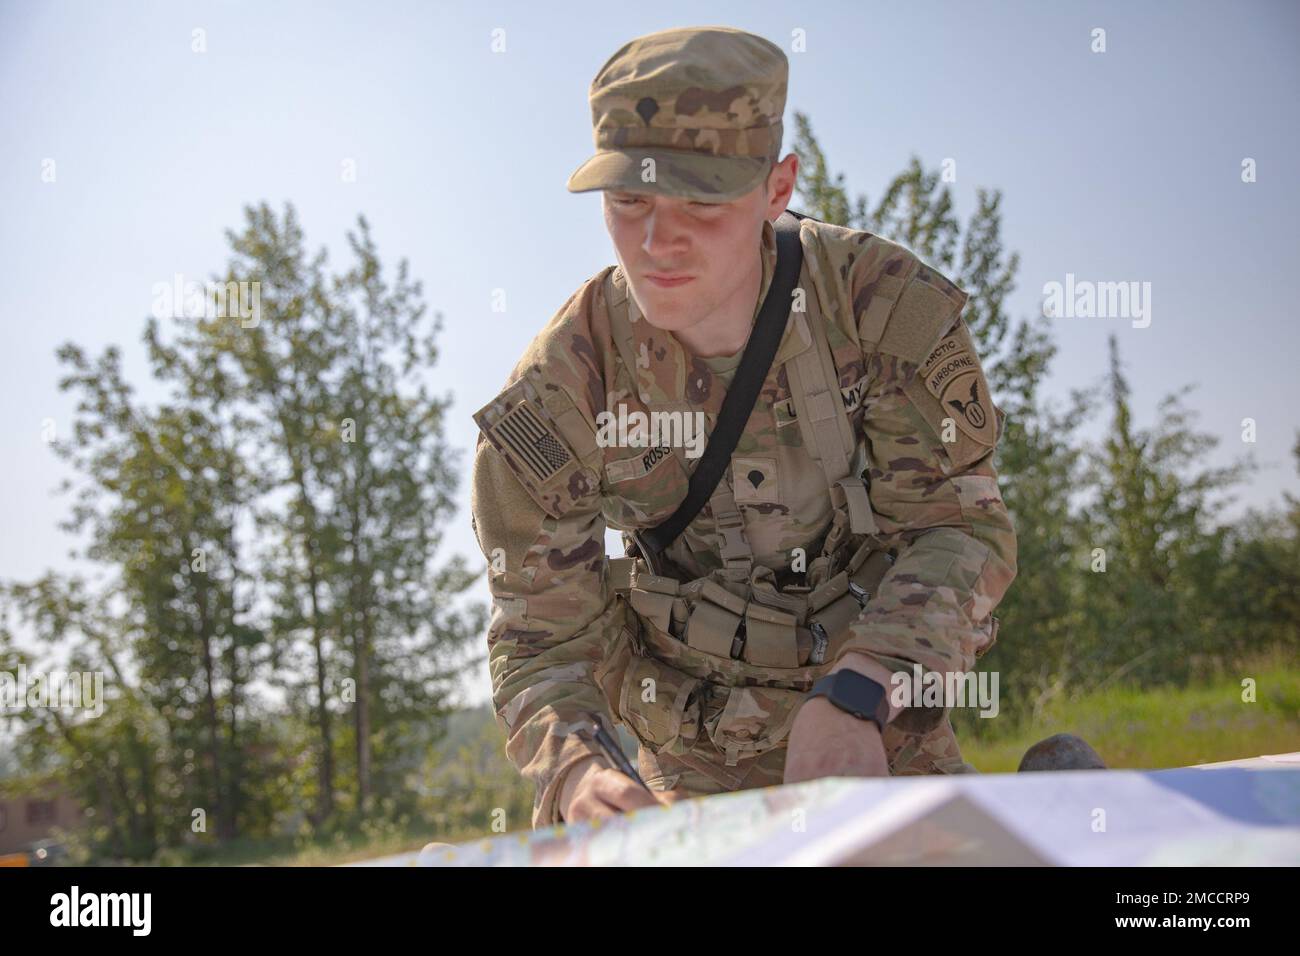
{"points": [[1255, 603], [164, 492], [1155, 515], [269, 529], [331, 382], [106, 762]]}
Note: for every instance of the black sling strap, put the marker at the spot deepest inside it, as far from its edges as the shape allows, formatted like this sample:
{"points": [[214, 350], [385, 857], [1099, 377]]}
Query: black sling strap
{"points": [[769, 329]]}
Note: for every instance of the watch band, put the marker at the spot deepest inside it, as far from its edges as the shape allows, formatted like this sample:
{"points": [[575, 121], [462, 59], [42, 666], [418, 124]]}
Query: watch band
{"points": [[856, 694]]}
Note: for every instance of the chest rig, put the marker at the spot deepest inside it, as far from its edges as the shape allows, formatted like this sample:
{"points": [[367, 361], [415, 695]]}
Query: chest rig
{"points": [[714, 667]]}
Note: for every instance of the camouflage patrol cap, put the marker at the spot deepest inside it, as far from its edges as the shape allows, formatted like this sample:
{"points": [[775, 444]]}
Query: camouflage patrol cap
{"points": [[704, 103]]}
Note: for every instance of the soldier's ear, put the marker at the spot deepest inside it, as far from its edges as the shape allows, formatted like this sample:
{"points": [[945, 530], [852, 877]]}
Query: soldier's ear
{"points": [[779, 185]]}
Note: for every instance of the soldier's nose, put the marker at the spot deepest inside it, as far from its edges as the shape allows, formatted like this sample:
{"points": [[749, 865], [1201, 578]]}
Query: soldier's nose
{"points": [[663, 240], [648, 246]]}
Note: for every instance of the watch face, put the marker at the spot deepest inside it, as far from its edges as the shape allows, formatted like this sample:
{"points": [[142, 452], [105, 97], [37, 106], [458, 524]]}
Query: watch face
{"points": [[860, 696]]}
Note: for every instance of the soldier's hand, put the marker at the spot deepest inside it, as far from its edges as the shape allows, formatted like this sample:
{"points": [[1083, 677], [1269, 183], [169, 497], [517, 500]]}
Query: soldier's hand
{"points": [[672, 796], [592, 790], [827, 742]]}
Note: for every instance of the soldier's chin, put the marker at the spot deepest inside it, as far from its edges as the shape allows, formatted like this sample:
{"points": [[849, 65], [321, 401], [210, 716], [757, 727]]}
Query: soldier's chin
{"points": [[670, 315]]}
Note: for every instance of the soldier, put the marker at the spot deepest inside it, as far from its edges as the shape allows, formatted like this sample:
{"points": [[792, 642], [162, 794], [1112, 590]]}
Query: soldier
{"points": [[858, 530]]}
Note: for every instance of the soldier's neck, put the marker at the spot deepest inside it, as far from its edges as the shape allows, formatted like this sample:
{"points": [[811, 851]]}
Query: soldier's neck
{"points": [[726, 331]]}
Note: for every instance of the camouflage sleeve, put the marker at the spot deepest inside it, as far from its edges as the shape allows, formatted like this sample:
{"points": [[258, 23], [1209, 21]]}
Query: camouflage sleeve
{"points": [[930, 431], [536, 515]]}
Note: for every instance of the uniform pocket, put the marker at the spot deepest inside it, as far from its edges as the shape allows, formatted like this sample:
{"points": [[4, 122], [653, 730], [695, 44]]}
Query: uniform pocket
{"points": [[660, 704], [611, 672], [753, 720]]}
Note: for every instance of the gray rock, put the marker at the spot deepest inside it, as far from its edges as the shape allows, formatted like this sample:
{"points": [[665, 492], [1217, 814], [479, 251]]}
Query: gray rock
{"points": [[1061, 752]]}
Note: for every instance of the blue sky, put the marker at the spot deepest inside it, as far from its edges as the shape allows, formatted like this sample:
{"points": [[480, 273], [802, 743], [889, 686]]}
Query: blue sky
{"points": [[1122, 165]]}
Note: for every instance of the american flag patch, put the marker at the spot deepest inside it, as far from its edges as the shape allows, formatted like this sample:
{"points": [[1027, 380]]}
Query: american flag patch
{"points": [[530, 440]]}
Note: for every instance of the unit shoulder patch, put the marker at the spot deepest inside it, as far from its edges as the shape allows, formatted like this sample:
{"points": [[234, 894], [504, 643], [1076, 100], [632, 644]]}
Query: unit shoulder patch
{"points": [[953, 375]]}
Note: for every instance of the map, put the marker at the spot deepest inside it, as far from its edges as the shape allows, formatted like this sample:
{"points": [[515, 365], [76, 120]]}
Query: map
{"points": [[1245, 813]]}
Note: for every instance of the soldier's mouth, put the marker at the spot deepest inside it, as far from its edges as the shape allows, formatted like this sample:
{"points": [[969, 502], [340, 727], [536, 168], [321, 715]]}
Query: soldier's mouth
{"points": [[668, 282]]}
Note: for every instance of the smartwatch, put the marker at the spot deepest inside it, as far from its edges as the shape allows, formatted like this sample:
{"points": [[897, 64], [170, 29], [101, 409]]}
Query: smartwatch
{"points": [[856, 694]]}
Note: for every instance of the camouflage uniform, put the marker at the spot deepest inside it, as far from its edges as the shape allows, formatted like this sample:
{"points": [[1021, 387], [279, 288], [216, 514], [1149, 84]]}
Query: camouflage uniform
{"points": [[819, 491]]}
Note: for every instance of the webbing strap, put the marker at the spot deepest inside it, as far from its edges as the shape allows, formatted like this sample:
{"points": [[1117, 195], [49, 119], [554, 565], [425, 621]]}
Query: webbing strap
{"points": [[826, 425], [823, 420], [861, 518], [624, 336]]}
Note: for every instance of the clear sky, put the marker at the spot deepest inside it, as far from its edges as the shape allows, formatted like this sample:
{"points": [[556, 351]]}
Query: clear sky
{"points": [[1122, 165]]}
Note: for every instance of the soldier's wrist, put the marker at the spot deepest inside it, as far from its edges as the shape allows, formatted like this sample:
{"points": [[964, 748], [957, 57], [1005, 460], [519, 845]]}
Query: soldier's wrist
{"points": [[572, 778], [826, 714], [870, 667]]}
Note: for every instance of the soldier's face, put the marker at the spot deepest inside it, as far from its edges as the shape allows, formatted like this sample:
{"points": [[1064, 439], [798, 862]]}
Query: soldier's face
{"points": [[684, 260]]}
